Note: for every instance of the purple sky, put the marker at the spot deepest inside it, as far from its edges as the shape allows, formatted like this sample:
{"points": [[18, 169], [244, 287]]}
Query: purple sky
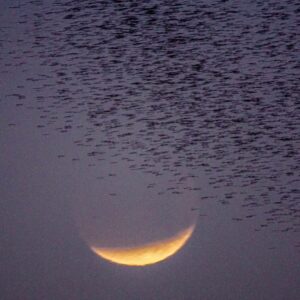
{"points": [[117, 118]]}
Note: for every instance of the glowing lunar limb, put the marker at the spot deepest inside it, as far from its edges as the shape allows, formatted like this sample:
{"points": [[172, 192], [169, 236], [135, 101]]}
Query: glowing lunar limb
{"points": [[146, 254]]}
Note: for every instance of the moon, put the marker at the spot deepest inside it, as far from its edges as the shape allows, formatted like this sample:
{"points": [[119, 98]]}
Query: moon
{"points": [[146, 254], [127, 223]]}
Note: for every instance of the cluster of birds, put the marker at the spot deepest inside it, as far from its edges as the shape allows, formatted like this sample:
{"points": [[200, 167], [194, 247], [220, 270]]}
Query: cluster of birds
{"points": [[186, 89]]}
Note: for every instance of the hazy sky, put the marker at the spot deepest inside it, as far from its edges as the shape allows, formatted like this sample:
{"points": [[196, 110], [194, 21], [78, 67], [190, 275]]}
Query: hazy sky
{"points": [[117, 118]]}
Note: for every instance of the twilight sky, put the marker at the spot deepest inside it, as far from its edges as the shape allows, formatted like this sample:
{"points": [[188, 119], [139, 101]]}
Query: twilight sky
{"points": [[125, 122]]}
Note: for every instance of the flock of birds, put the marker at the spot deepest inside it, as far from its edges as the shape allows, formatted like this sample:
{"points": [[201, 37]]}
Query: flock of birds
{"points": [[183, 89]]}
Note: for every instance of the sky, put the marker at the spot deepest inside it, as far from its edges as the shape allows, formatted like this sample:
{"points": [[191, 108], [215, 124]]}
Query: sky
{"points": [[123, 123]]}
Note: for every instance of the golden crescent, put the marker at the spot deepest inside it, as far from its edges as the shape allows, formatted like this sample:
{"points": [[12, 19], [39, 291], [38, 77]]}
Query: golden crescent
{"points": [[146, 254]]}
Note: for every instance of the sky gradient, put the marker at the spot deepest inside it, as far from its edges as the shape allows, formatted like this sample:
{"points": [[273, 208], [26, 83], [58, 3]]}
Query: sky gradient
{"points": [[124, 123]]}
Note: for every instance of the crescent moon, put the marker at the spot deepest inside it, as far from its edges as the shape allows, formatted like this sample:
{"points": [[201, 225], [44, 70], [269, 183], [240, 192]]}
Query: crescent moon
{"points": [[146, 254]]}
